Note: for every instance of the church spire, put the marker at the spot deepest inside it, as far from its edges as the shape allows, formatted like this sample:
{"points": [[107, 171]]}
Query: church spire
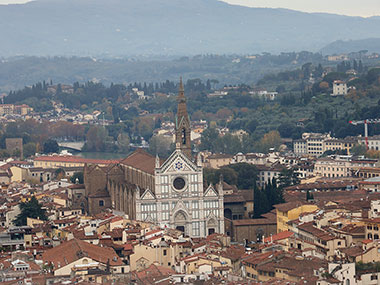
{"points": [[182, 122]]}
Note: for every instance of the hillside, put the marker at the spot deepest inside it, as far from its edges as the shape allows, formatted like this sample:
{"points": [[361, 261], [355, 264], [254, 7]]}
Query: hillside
{"points": [[168, 27], [338, 47]]}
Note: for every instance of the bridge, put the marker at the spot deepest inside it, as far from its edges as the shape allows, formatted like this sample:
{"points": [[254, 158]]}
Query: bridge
{"points": [[77, 146]]}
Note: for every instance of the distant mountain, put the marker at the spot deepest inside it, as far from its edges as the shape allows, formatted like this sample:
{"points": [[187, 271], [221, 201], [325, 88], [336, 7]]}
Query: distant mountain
{"points": [[338, 47], [168, 27]]}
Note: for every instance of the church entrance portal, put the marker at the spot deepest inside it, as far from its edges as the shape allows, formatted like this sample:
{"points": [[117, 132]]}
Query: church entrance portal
{"points": [[180, 220], [181, 228]]}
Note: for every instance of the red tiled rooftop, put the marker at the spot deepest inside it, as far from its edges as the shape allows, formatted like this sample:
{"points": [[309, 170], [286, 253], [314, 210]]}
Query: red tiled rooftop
{"points": [[141, 160], [279, 236], [74, 159]]}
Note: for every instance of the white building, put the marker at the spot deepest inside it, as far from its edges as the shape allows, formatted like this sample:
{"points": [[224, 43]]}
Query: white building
{"points": [[339, 88], [300, 147], [267, 95], [373, 142], [180, 200], [374, 212]]}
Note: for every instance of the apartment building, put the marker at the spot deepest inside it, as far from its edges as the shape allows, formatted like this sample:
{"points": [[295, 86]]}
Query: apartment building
{"points": [[338, 144], [340, 166], [315, 144], [328, 167], [373, 142], [339, 88]]}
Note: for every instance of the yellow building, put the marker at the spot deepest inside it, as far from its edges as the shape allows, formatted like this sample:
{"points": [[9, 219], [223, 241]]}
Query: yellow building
{"points": [[18, 174], [56, 161], [162, 254], [336, 144], [291, 211], [200, 264], [218, 160]]}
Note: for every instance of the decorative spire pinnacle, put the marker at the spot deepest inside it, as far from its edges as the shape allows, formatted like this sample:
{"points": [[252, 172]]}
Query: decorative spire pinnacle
{"points": [[181, 89], [181, 92], [182, 123], [157, 161], [199, 159]]}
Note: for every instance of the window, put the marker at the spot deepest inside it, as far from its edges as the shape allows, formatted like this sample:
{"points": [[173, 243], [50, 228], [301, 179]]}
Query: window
{"points": [[165, 252], [164, 179], [179, 183], [101, 203], [149, 209], [195, 209], [195, 228], [165, 191], [165, 211], [211, 207]]}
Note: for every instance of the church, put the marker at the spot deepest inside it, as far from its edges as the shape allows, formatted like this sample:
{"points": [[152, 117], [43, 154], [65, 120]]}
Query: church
{"points": [[169, 193]]}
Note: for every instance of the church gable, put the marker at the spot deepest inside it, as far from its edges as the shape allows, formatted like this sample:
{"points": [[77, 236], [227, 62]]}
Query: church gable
{"points": [[180, 206], [177, 162], [115, 169], [210, 192], [148, 195]]}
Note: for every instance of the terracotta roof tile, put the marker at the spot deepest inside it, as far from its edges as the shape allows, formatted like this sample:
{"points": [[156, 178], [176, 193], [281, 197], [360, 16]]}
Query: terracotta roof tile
{"points": [[74, 159], [141, 160], [75, 249], [279, 236]]}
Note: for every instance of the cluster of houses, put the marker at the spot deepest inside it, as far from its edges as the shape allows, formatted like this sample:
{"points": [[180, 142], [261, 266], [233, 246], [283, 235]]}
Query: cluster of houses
{"points": [[7, 110], [321, 238], [315, 241]]}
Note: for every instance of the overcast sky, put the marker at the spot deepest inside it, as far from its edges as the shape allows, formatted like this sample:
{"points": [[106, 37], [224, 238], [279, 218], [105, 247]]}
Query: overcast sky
{"points": [[365, 8]]}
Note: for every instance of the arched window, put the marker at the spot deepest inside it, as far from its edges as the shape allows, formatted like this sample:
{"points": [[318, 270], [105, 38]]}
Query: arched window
{"points": [[183, 136]]}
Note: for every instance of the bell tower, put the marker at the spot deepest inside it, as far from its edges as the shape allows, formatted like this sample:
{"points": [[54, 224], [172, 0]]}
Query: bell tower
{"points": [[182, 123]]}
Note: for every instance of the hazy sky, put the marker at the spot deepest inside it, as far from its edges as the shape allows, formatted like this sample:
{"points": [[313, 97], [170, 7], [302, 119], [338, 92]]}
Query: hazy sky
{"points": [[363, 8]]}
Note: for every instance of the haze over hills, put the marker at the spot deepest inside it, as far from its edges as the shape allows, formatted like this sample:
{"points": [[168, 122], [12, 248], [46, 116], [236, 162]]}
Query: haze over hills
{"points": [[371, 45], [168, 27]]}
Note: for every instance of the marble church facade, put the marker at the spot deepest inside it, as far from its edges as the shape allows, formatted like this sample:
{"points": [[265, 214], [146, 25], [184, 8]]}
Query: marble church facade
{"points": [[169, 193]]}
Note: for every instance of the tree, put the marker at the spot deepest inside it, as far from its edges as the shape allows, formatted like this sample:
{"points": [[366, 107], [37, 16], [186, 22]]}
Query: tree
{"points": [[59, 173], [160, 145], [123, 142], [51, 146], [265, 198], [31, 209], [79, 176], [251, 126], [96, 138], [269, 140], [261, 204], [324, 86], [287, 177], [212, 176], [246, 175], [209, 136], [358, 149], [30, 149]]}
